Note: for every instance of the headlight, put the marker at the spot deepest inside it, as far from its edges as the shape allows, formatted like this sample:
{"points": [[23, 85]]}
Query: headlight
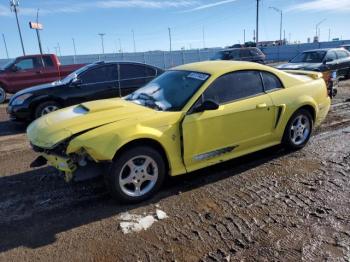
{"points": [[20, 99]]}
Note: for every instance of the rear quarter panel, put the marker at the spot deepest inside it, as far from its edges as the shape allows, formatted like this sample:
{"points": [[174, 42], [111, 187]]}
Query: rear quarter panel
{"points": [[308, 92]]}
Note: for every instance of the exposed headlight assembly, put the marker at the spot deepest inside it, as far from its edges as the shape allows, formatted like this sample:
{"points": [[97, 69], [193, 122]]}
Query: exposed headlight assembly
{"points": [[20, 99]]}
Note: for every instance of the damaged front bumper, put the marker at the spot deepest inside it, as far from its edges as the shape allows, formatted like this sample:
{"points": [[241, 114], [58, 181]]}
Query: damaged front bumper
{"points": [[77, 167]]}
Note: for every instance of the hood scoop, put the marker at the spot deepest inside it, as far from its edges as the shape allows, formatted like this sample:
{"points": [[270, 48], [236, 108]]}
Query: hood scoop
{"points": [[93, 107]]}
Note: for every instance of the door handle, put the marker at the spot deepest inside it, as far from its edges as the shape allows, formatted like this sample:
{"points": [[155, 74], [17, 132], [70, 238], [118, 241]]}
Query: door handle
{"points": [[261, 106]]}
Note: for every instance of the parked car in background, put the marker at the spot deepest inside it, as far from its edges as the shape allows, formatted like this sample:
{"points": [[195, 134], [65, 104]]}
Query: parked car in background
{"points": [[347, 47], [190, 117], [95, 81], [250, 54], [333, 63], [31, 70]]}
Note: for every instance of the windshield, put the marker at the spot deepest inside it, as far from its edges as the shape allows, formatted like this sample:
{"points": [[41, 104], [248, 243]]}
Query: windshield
{"points": [[75, 74], [8, 64], [170, 91], [309, 57]]}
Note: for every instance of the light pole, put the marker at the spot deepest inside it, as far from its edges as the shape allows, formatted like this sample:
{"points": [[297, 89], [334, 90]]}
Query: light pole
{"points": [[37, 32], [7, 52], [281, 22], [317, 25], [75, 50], [102, 42], [133, 38], [14, 8], [257, 22]]}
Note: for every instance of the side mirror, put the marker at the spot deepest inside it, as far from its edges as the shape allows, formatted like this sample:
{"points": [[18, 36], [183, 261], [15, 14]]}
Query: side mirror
{"points": [[76, 82], [15, 68], [207, 105]]}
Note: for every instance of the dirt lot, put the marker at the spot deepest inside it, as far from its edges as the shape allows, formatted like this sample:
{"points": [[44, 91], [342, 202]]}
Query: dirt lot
{"points": [[272, 205]]}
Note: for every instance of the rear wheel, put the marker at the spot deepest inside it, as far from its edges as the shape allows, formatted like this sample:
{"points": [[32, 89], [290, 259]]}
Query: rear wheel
{"points": [[46, 108], [298, 131], [136, 174], [2, 95]]}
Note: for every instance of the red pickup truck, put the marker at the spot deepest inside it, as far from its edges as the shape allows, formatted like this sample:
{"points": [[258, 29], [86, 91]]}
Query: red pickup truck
{"points": [[31, 70]]}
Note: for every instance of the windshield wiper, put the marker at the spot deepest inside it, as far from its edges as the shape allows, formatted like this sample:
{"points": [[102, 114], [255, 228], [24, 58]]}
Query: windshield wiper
{"points": [[149, 100]]}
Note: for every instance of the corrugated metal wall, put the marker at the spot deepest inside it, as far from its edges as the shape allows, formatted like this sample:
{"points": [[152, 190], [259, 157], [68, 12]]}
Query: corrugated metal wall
{"points": [[167, 59]]}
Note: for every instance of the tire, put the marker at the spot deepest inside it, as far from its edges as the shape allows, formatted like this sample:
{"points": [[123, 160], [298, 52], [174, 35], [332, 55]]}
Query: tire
{"points": [[2, 95], [129, 172], [46, 108], [298, 130]]}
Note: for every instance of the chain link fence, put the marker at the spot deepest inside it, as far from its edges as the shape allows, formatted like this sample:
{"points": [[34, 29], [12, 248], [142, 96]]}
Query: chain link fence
{"points": [[166, 60]]}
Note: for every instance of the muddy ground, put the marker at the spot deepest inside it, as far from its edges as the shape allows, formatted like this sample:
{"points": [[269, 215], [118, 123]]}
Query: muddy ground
{"points": [[269, 206]]}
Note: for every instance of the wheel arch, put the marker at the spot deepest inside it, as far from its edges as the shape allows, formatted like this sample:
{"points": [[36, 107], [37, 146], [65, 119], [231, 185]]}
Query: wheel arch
{"points": [[147, 142], [43, 99]]}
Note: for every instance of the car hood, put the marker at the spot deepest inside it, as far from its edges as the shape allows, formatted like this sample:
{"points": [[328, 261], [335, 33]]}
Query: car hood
{"points": [[48, 131], [36, 88], [300, 66]]}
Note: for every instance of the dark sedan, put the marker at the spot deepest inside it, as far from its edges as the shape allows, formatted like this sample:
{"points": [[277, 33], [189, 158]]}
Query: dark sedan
{"points": [[95, 81], [321, 60], [250, 54]]}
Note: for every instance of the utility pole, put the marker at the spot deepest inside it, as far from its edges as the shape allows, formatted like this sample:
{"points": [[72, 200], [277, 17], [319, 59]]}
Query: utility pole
{"points": [[14, 8], [317, 25], [59, 48], [243, 36], [75, 50], [203, 37], [281, 22], [170, 42], [37, 32], [7, 52], [120, 45], [102, 42], [133, 37], [329, 35], [257, 22]]}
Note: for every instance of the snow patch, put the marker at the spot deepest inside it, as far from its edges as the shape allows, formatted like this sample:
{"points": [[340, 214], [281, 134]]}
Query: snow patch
{"points": [[136, 223]]}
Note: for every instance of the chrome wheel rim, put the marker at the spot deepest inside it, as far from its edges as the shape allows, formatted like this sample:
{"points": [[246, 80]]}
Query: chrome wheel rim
{"points": [[300, 130], [2, 95], [138, 176], [48, 109]]}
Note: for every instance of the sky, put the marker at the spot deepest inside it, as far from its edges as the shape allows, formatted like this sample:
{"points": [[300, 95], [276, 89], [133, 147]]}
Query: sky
{"points": [[221, 22]]}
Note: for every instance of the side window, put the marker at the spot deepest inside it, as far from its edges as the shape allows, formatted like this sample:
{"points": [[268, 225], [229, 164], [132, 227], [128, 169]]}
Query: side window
{"points": [[100, 74], [331, 56], [48, 61], [130, 71], [271, 82], [234, 86], [150, 72], [29, 63], [342, 54], [255, 52], [235, 54], [245, 53]]}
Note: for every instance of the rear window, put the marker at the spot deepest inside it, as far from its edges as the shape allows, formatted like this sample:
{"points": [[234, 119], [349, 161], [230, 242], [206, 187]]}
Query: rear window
{"points": [[130, 71], [271, 82]]}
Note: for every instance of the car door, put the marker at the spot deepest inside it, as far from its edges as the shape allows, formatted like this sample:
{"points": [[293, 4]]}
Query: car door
{"points": [[243, 121], [27, 73], [343, 63], [132, 77], [95, 83]]}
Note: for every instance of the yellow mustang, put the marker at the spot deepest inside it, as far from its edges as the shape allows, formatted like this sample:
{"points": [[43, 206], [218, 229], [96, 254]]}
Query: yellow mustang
{"points": [[190, 117]]}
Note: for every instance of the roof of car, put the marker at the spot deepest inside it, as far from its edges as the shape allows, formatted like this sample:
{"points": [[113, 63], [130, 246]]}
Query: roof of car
{"points": [[322, 49], [236, 48], [220, 66]]}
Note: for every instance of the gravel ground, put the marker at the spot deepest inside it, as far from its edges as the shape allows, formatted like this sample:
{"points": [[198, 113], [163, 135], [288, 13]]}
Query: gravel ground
{"points": [[272, 205]]}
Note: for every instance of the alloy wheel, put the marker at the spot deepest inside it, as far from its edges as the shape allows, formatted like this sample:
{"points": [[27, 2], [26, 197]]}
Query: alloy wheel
{"points": [[300, 129], [138, 176], [48, 109]]}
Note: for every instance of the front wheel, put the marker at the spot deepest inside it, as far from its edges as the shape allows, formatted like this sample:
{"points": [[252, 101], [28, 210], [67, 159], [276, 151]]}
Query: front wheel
{"points": [[298, 131], [2, 95], [46, 108], [136, 174]]}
